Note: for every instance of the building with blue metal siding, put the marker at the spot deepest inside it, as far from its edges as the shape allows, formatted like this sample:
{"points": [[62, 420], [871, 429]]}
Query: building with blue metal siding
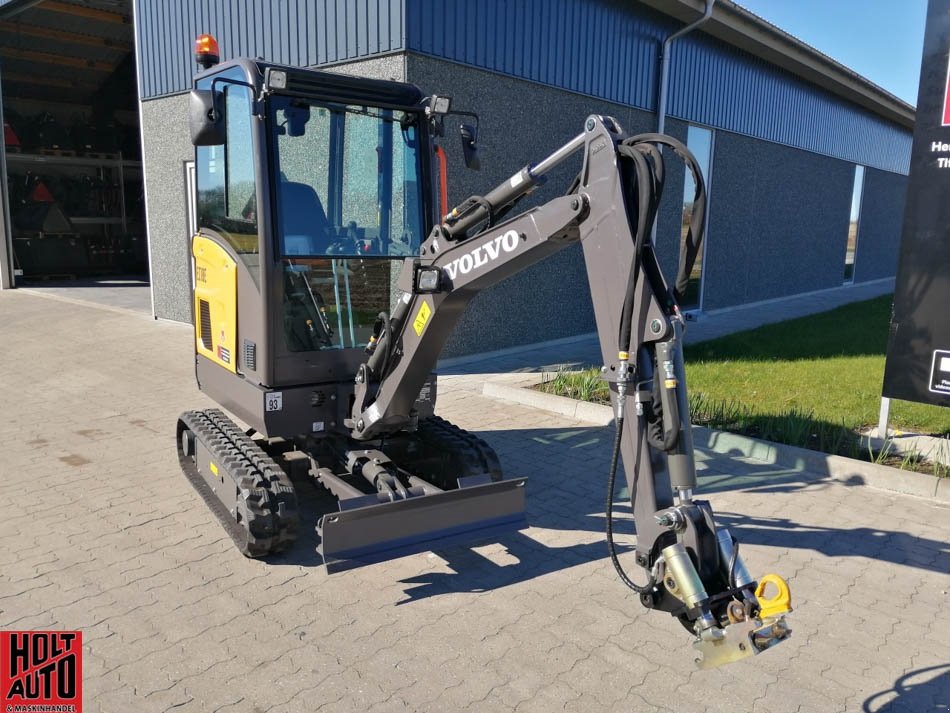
{"points": [[609, 50], [784, 127], [599, 48], [302, 33]]}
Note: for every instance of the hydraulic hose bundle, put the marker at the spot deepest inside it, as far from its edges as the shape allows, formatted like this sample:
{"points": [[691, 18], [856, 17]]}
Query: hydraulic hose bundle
{"points": [[643, 174]]}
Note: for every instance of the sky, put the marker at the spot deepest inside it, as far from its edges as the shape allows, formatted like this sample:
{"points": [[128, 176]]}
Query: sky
{"points": [[879, 39]]}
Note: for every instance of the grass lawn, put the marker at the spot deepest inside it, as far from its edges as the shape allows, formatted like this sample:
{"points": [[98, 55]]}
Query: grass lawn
{"points": [[818, 376], [829, 365]]}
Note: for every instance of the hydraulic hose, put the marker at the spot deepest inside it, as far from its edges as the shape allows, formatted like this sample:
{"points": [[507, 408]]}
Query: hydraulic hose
{"points": [[648, 180], [664, 432], [644, 180], [379, 359], [387, 346], [697, 223], [611, 547], [664, 426], [733, 560]]}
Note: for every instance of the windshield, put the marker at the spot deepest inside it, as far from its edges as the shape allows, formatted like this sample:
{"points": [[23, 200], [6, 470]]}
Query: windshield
{"points": [[347, 180]]}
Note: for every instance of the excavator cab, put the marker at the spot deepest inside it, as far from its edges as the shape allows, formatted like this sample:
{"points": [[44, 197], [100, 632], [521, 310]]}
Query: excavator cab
{"points": [[319, 184], [313, 191]]}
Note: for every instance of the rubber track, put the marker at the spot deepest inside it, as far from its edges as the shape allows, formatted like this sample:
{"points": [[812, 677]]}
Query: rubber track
{"points": [[475, 456], [264, 496]]}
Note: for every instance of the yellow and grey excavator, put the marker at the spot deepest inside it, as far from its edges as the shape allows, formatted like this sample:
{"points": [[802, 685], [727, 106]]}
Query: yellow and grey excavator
{"points": [[327, 282]]}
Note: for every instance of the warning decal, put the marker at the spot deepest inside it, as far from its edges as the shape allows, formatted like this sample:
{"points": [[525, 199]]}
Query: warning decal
{"points": [[422, 318]]}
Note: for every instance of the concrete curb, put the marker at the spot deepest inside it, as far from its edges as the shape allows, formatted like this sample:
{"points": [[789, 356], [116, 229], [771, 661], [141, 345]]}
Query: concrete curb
{"points": [[479, 357], [846, 470], [581, 410]]}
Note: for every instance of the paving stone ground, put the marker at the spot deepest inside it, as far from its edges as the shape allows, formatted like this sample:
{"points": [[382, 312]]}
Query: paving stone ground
{"points": [[102, 533]]}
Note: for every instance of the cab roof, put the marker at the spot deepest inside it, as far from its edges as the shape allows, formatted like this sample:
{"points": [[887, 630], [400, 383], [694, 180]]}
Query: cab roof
{"points": [[325, 85]]}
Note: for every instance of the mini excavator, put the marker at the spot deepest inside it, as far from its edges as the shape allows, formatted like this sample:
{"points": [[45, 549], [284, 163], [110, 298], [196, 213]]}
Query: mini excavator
{"points": [[327, 281]]}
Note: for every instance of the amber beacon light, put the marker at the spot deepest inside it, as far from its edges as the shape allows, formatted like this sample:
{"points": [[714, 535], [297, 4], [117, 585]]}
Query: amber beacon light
{"points": [[206, 51]]}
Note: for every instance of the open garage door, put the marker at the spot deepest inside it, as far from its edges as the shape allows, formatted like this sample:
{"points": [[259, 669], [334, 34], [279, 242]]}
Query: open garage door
{"points": [[74, 187]]}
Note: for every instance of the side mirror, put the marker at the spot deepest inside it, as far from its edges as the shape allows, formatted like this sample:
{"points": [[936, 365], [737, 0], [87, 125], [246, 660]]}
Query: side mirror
{"points": [[205, 118], [469, 136]]}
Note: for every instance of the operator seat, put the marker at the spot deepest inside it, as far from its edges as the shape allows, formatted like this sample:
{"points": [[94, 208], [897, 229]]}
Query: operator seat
{"points": [[304, 223]]}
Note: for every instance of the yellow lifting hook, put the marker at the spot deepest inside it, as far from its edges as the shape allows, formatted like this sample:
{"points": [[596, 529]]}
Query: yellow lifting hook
{"points": [[777, 605]]}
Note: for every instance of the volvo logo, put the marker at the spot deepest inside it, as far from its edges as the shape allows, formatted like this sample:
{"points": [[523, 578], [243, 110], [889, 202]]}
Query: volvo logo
{"points": [[483, 254]]}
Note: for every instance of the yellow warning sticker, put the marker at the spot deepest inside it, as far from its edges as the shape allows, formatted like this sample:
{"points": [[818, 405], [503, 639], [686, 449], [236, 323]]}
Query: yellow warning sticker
{"points": [[422, 318], [214, 468]]}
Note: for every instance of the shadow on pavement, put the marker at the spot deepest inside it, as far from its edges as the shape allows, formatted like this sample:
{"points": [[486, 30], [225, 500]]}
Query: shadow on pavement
{"points": [[576, 460], [567, 475], [114, 281], [474, 572], [926, 689], [526, 558], [883, 545]]}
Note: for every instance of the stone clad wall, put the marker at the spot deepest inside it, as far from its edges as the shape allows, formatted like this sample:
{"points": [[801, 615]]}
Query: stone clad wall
{"points": [[778, 222]]}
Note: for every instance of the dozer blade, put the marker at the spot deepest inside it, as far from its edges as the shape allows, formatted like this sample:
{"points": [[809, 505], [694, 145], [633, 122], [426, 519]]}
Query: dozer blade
{"points": [[374, 533]]}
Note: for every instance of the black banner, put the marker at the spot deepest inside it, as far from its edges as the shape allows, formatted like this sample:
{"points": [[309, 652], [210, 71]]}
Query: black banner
{"points": [[918, 350]]}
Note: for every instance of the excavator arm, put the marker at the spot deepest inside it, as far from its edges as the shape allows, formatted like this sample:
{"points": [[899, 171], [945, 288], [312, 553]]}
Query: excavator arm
{"points": [[689, 567]]}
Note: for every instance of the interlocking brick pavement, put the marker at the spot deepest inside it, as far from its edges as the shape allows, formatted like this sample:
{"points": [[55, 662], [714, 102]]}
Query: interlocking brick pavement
{"points": [[102, 533]]}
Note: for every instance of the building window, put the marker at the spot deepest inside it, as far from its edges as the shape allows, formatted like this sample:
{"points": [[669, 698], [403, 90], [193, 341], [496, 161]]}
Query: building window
{"points": [[700, 142], [852, 247]]}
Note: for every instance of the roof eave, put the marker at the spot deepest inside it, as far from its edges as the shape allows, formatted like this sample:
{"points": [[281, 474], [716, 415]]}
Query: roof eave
{"points": [[742, 29]]}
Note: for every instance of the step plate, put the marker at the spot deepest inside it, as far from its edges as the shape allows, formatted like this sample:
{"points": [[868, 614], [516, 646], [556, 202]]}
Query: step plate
{"points": [[375, 533]]}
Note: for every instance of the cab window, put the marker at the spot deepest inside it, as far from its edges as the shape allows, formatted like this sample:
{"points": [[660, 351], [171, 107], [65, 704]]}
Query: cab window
{"points": [[349, 210], [226, 175], [348, 180]]}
